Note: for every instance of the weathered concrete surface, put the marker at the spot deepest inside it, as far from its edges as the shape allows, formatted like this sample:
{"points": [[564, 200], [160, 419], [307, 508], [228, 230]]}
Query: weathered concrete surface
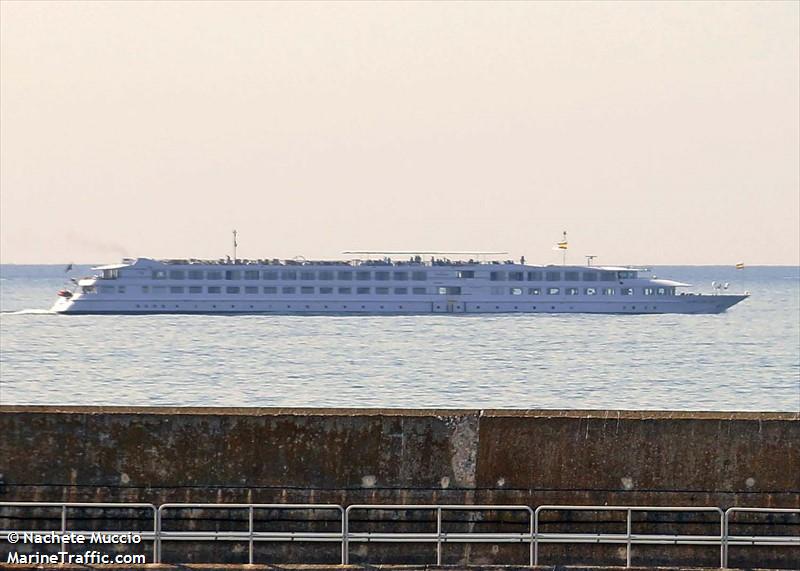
{"points": [[160, 455]]}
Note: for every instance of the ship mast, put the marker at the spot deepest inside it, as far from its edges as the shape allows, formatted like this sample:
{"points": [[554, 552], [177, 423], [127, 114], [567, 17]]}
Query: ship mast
{"points": [[235, 233]]}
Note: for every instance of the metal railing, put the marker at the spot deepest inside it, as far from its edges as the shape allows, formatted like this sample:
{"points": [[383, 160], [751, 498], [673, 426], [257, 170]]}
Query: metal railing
{"points": [[144, 534], [747, 540], [439, 536], [628, 538], [251, 536], [345, 536]]}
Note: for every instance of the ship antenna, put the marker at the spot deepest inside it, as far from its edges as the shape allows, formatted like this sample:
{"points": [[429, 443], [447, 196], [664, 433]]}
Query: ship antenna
{"points": [[235, 233]]}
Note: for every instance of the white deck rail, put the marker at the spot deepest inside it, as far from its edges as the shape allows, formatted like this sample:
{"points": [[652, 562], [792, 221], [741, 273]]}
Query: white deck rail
{"points": [[439, 536]]}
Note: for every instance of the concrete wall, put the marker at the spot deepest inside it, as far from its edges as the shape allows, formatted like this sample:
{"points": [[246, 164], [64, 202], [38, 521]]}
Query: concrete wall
{"points": [[161, 455]]}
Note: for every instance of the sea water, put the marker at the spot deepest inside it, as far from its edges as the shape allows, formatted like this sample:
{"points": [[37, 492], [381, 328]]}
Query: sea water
{"points": [[745, 359]]}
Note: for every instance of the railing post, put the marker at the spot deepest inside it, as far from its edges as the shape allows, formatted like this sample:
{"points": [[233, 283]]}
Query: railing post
{"points": [[250, 531], [628, 550], [155, 535], [723, 548], [439, 536], [536, 537], [530, 545], [63, 526], [345, 536]]}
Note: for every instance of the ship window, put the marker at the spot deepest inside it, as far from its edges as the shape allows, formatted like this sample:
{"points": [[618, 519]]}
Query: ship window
{"points": [[382, 290], [270, 289], [516, 291], [449, 290], [362, 290], [572, 291], [607, 276], [269, 275], [497, 276], [233, 275], [325, 275], [608, 291], [662, 291], [648, 291], [627, 275], [362, 276], [382, 276], [288, 289], [344, 276], [214, 289], [419, 276], [110, 274], [515, 276], [195, 289], [88, 289], [307, 289], [553, 291], [401, 290], [626, 291], [106, 289], [401, 276], [534, 291], [553, 276], [195, 274], [177, 274], [534, 276], [571, 276], [176, 289], [346, 290], [121, 289], [251, 274], [326, 290], [232, 289], [145, 289], [251, 290], [466, 274], [307, 276], [497, 291], [590, 291], [590, 276], [289, 275], [159, 275], [214, 275], [418, 291], [159, 289]]}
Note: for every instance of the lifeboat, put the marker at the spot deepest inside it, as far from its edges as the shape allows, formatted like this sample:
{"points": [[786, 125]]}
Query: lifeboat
{"points": [[65, 293]]}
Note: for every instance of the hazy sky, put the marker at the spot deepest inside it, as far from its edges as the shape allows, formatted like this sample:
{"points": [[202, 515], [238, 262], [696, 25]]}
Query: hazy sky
{"points": [[654, 133]]}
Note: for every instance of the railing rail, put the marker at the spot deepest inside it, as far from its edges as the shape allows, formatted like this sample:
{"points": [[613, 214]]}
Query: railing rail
{"points": [[438, 536]]}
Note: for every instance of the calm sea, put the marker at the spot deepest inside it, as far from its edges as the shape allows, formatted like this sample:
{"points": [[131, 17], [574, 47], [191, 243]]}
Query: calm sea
{"points": [[745, 359]]}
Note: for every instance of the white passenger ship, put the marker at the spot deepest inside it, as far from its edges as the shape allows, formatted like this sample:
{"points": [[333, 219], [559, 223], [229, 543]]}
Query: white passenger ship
{"points": [[377, 286]]}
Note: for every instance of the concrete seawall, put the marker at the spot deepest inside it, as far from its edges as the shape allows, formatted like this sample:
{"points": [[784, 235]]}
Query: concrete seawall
{"points": [[160, 455]]}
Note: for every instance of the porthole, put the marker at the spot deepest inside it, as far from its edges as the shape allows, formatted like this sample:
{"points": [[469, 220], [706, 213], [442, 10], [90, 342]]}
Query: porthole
{"points": [[400, 307], [344, 307], [552, 307], [308, 307], [381, 307], [477, 307], [214, 306], [251, 307], [515, 307], [633, 307], [497, 307], [232, 306], [363, 307], [137, 305], [326, 307]]}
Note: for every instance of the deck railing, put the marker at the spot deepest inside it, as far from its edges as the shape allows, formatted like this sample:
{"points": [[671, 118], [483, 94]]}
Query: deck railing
{"points": [[525, 518]]}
